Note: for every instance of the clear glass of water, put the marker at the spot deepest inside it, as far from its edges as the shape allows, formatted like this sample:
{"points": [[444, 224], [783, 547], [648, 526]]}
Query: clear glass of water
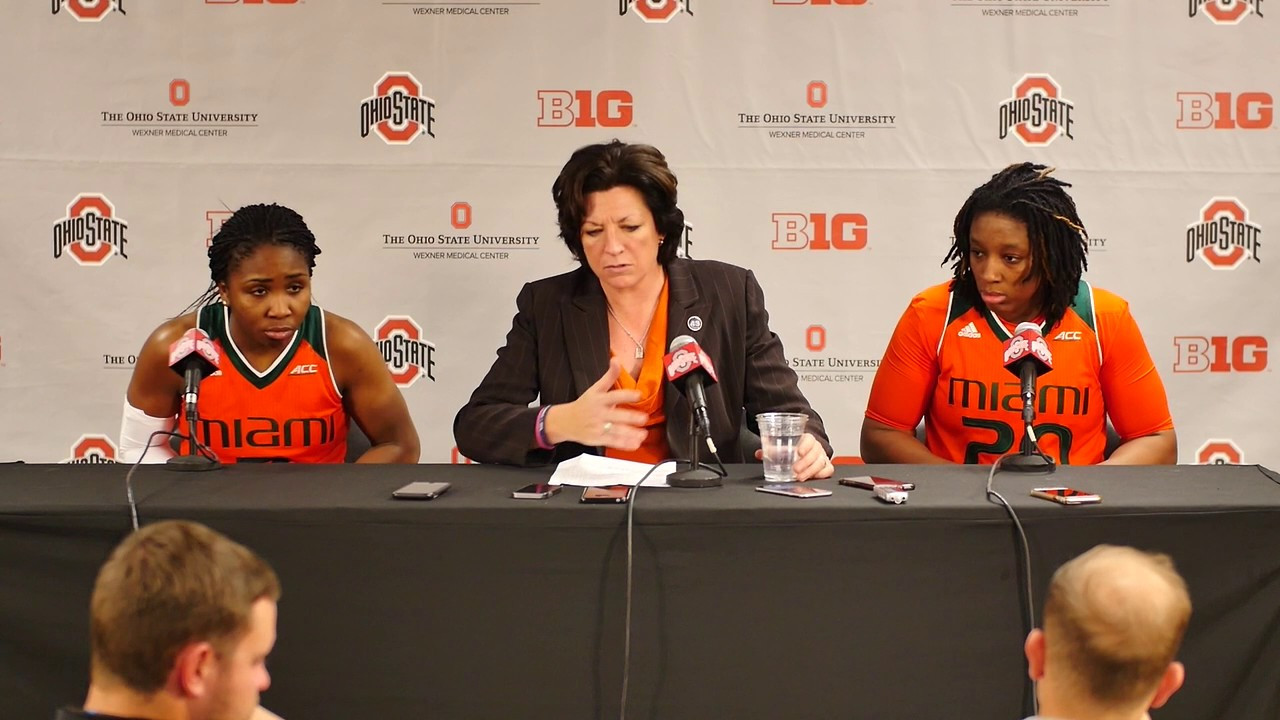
{"points": [[779, 435]]}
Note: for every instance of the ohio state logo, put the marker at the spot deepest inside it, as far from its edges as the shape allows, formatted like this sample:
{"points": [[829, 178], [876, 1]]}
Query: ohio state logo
{"points": [[1021, 345], [1219, 452], [1225, 12], [92, 450], [91, 232], [1224, 237], [655, 11], [88, 10], [406, 354], [815, 338], [398, 111], [681, 361], [1037, 113]]}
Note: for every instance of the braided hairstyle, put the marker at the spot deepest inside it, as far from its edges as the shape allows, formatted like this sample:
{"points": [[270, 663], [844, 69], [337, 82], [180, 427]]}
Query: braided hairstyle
{"points": [[1059, 243], [244, 232]]}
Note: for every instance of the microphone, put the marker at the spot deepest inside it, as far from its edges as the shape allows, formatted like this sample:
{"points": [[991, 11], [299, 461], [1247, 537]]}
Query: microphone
{"points": [[193, 356], [1027, 356], [689, 368]]}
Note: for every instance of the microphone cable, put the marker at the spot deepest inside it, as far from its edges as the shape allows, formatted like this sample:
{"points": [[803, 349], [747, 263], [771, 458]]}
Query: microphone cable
{"points": [[128, 477], [711, 445], [626, 636], [1024, 550]]}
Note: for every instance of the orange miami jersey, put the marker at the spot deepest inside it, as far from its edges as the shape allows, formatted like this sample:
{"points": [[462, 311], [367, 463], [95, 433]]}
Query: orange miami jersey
{"points": [[292, 412], [944, 363]]}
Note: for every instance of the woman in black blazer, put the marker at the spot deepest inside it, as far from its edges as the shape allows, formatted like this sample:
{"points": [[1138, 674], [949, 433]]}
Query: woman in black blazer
{"points": [[589, 343]]}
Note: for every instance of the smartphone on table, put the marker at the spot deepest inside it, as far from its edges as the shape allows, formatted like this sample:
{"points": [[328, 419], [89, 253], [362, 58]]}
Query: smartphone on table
{"points": [[607, 494], [536, 491], [421, 491], [1066, 496], [798, 490]]}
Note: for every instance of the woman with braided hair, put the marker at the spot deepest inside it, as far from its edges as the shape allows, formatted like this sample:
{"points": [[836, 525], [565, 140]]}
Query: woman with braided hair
{"points": [[290, 373], [1018, 256]]}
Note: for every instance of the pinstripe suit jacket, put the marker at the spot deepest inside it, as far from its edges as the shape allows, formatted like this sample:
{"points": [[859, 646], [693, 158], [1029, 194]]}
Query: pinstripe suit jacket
{"points": [[558, 346]]}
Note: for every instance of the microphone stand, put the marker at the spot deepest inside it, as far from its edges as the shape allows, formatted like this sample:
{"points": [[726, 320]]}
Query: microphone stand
{"points": [[692, 473], [194, 460], [1029, 458]]}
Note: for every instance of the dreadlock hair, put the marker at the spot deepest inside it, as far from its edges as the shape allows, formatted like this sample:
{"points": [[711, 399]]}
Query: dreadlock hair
{"points": [[244, 232], [1059, 243]]}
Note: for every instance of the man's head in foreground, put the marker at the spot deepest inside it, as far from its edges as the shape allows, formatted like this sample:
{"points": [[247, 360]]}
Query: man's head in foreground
{"points": [[181, 622], [1113, 621]]}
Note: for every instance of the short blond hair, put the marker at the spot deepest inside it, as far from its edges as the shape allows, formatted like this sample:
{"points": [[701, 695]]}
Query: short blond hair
{"points": [[165, 586], [1114, 619]]}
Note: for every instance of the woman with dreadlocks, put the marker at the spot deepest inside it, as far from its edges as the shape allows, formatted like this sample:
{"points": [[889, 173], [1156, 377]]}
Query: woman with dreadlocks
{"points": [[291, 373], [1018, 256]]}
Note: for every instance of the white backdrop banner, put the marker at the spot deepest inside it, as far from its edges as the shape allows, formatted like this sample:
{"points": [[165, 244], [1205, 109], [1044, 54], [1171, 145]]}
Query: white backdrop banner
{"points": [[827, 144]]}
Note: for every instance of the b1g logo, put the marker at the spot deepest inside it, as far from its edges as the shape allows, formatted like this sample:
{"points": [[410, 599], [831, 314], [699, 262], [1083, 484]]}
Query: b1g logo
{"points": [[685, 250], [398, 112], [91, 232], [215, 218], [1220, 111], [1220, 452], [1224, 237], [1037, 113], [1225, 12], [583, 108], [655, 11], [1247, 353], [406, 354], [88, 10], [92, 450], [798, 231]]}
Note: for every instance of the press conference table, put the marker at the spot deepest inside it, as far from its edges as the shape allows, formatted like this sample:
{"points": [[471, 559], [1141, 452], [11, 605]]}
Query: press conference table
{"points": [[746, 605]]}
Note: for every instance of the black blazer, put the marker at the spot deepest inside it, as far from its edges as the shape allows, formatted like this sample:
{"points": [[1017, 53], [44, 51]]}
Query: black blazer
{"points": [[559, 346]]}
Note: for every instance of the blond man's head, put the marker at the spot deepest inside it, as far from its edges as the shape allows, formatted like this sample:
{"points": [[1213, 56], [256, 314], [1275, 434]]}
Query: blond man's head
{"points": [[1114, 619], [164, 587]]}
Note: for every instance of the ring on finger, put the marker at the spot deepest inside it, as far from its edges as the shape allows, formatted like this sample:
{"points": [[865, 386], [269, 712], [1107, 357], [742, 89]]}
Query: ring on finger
{"points": [[607, 427]]}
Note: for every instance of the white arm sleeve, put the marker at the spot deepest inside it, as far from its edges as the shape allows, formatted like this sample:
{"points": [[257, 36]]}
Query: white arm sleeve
{"points": [[135, 427]]}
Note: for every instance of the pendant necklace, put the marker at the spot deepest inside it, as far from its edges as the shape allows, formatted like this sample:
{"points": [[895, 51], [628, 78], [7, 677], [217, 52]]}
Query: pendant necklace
{"points": [[639, 345]]}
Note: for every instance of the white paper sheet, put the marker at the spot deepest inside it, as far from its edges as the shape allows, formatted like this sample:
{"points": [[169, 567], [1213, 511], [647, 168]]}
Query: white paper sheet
{"points": [[596, 471]]}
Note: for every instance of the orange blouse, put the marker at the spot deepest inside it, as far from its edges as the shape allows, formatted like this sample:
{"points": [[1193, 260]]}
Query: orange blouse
{"points": [[649, 384]]}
